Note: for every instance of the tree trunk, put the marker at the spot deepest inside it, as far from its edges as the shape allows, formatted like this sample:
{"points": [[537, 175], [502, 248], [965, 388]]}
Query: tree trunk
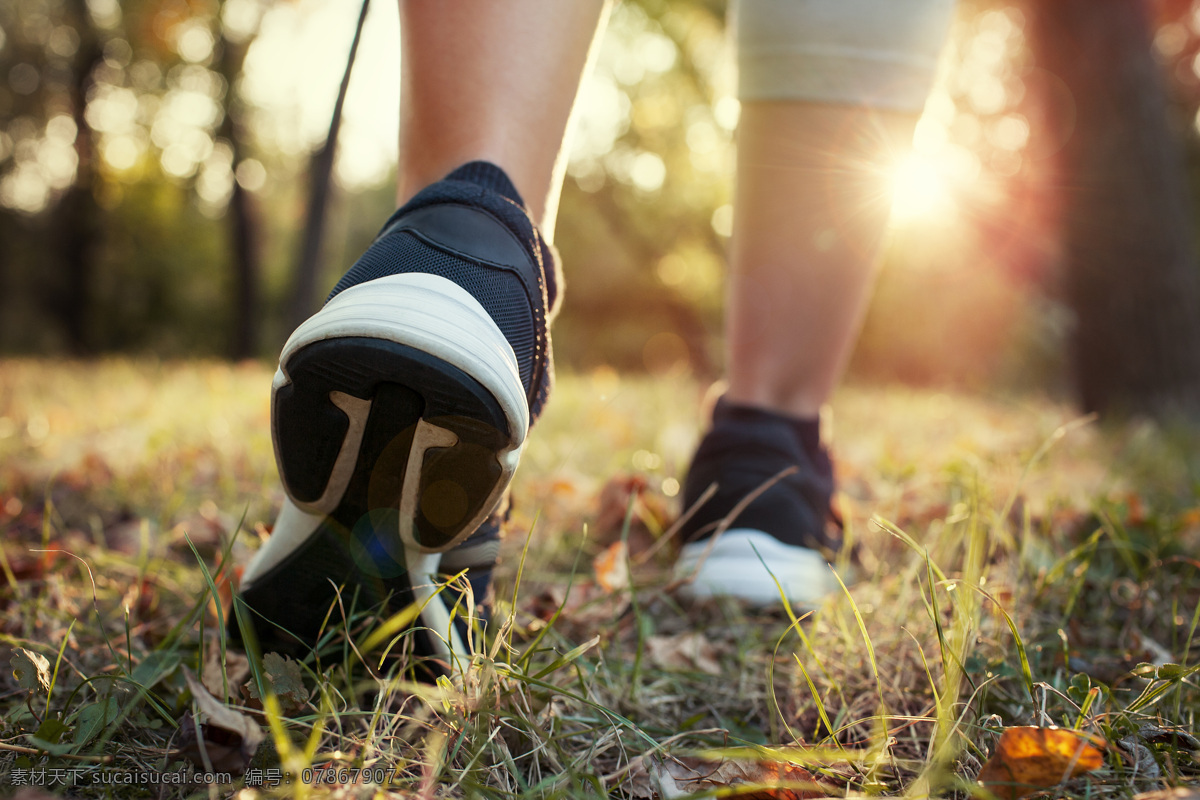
{"points": [[242, 215], [75, 224], [1131, 272], [244, 248], [304, 287]]}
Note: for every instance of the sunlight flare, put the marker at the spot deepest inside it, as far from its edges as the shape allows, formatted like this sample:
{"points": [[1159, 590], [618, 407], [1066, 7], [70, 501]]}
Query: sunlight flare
{"points": [[920, 189]]}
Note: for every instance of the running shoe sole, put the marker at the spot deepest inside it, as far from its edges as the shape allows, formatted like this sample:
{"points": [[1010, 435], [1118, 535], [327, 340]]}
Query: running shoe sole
{"points": [[398, 417]]}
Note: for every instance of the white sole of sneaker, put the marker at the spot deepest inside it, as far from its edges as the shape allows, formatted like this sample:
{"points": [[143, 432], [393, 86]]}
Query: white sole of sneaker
{"points": [[431, 339], [745, 564]]}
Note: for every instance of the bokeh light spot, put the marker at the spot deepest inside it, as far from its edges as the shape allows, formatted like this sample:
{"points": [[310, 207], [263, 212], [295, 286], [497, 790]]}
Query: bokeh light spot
{"points": [[722, 220], [251, 175]]}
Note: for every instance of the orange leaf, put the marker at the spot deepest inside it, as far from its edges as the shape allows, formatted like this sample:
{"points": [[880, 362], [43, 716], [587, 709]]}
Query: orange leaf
{"points": [[612, 567], [1029, 760]]}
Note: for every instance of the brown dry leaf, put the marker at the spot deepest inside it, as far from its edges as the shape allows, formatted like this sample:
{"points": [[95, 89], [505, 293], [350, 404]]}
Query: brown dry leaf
{"points": [[286, 680], [1029, 759], [234, 674], [687, 651], [651, 511], [230, 738], [613, 506], [678, 776], [612, 567], [587, 605], [32, 670]]}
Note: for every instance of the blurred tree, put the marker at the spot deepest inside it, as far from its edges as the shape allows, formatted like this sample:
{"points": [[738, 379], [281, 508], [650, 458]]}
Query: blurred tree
{"points": [[1131, 271], [650, 166], [48, 54], [244, 227], [76, 221], [120, 126]]}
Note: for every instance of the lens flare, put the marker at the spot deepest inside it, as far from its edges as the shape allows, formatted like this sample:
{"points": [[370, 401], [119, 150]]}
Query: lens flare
{"points": [[920, 190]]}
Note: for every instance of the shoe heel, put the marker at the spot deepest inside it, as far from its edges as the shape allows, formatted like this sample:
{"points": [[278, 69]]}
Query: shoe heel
{"points": [[400, 394]]}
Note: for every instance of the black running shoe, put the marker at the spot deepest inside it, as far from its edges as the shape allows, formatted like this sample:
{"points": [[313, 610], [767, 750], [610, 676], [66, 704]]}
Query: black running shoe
{"points": [[399, 412], [783, 534]]}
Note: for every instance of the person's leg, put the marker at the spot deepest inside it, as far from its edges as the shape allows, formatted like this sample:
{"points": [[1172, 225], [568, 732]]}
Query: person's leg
{"points": [[830, 92], [489, 81], [400, 409], [812, 206]]}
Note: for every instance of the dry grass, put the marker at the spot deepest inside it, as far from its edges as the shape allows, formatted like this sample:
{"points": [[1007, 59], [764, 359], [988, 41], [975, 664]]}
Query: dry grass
{"points": [[1000, 583]]}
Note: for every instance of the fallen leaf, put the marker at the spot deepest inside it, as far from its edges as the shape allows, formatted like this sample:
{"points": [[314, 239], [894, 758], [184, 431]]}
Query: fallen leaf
{"points": [[612, 567], [1176, 737], [146, 600], [686, 652], [286, 679], [585, 607], [216, 677], [32, 670], [679, 776], [613, 505], [1144, 764], [1029, 760], [651, 512], [228, 737]]}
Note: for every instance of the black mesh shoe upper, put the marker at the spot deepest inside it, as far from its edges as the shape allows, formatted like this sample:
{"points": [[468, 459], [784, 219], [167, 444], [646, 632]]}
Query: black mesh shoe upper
{"points": [[472, 228], [745, 448]]}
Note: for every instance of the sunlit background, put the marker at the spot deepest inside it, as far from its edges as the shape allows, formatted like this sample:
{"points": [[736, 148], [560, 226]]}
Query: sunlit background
{"points": [[177, 119]]}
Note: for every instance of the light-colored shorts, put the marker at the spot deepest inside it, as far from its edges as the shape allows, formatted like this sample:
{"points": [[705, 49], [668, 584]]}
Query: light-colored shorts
{"points": [[875, 53]]}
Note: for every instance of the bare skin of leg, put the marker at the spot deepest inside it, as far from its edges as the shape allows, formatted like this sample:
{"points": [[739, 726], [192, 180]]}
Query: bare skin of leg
{"points": [[492, 81], [812, 208]]}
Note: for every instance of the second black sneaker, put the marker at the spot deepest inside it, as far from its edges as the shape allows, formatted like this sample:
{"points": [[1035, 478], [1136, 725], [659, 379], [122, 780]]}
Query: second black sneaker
{"points": [[783, 538]]}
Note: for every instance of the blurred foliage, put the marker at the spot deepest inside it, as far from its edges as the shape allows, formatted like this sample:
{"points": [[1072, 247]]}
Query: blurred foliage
{"points": [[967, 294]]}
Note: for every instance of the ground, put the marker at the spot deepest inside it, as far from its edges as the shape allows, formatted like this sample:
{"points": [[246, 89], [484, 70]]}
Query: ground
{"points": [[1009, 564]]}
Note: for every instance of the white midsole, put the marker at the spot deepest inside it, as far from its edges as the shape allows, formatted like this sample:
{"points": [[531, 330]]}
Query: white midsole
{"points": [[746, 563], [431, 314], [438, 317], [293, 527]]}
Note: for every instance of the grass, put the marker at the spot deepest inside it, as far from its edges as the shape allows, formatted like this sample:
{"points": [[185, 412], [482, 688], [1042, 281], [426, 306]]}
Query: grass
{"points": [[1013, 566]]}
